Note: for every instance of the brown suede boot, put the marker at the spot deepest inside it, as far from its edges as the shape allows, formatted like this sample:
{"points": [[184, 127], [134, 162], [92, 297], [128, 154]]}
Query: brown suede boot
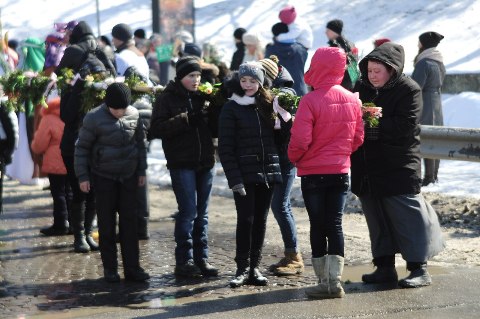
{"points": [[293, 265]]}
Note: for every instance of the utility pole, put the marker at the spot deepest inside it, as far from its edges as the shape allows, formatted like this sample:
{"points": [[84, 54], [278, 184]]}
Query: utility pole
{"points": [[98, 18]]}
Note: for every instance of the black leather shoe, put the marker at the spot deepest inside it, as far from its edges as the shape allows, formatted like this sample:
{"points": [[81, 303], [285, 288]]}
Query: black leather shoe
{"points": [[419, 277], [111, 275], [207, 269], [138, 275], [381, 275], [256, 278], [241, 278], [189, 269], [54, 231]]}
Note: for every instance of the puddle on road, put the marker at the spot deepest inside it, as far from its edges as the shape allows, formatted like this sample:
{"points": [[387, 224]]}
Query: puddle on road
{"points": [[155, 300]]}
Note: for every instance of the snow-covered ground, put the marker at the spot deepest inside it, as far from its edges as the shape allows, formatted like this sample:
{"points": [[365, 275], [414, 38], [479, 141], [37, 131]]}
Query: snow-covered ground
{"points": [[365, 20]]}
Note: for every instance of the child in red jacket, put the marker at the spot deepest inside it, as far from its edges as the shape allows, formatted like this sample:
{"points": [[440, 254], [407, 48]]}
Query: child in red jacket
{"points": [[328, 127], [46, 142]]}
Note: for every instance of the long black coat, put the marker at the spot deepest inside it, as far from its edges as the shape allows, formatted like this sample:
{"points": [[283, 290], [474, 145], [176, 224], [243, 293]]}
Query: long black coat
{"points": [[429, 74], [186, 146], [70, 104], [246, 146], [391, 165]]}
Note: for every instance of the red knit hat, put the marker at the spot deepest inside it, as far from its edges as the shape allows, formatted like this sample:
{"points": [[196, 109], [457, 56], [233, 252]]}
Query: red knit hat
{"points": [[379, 42], [288, 14]]}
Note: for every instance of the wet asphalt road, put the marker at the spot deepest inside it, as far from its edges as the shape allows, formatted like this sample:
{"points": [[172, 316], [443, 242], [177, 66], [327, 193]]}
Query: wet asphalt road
{"points": [[41, 277]]}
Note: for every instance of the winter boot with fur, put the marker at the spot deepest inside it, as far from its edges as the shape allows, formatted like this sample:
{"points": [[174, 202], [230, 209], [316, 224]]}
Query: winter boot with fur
{"points": [[384, 273], [292, 265], [419, 276], [329, 271]]}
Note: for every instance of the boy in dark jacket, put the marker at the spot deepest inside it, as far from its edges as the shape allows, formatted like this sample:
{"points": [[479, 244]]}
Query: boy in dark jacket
{"points": [[110, 152], [178, 119]]}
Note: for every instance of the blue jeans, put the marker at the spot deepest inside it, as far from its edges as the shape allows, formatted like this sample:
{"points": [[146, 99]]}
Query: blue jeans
{"points": [[324, 197], [192, 190], [282, 210]]}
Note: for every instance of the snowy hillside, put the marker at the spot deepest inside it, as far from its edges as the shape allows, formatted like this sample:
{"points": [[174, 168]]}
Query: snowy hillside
{"points": [[364, 20]]}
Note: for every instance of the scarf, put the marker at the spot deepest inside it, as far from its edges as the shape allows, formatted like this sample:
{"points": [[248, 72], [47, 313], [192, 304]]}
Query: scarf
{"points": [[243, 100], [431, 53]]}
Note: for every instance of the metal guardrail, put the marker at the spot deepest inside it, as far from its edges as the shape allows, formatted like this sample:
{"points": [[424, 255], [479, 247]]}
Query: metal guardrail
{"points": [[450, 143]]}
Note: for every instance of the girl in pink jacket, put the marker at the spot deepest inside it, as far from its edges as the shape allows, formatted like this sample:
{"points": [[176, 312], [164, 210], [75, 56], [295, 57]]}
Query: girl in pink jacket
{"points": [[328, 127], [46, 142]]}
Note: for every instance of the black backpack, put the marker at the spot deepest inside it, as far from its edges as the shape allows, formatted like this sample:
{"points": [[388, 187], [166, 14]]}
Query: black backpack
{"points": [[95, 61]]}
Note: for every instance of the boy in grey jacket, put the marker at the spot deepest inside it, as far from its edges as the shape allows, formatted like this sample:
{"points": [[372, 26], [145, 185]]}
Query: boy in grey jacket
{"points": [[110, 153]]}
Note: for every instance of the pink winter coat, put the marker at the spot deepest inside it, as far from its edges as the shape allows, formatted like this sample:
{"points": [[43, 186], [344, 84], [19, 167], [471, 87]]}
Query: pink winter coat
{"points": [[328, 125], [47, 139]]}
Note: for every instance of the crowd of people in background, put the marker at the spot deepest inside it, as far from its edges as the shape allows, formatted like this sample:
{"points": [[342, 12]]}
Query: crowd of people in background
{"points": [[96, 161]]}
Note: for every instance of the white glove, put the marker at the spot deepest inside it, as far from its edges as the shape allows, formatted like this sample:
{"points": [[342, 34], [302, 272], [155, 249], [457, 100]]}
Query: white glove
{"points": [[239, 189]]}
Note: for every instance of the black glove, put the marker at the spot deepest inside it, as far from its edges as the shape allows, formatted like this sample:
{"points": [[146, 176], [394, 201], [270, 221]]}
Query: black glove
{"points": [[194, 117]]}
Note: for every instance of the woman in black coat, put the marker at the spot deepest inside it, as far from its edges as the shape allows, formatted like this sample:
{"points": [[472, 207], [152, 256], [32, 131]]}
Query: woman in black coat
{"points": [[386, 173], [249, 158]]}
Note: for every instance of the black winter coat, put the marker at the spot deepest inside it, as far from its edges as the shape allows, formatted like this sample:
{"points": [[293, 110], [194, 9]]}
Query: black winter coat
{"points": [[8, 143], [70, 104], [186, 146], [246, 146], [347, 46], [238, 56], [391, 165], [110, 147]]}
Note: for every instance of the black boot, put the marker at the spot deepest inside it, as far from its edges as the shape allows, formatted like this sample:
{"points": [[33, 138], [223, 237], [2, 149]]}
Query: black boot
{"points": [[138, 275], [241, 278], [255, 277], [90, 213], [80, 245], [419, 276], [111, 275], [384, 273], [78, 217], [91, 242], [241, 275]]}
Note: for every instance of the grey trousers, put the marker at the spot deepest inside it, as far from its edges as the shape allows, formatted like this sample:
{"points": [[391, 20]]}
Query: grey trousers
{"points": [[404, 224]]}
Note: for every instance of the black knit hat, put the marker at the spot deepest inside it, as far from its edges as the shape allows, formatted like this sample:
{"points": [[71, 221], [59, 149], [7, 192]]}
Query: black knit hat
{"points": [[192, 49], [118, 96], [238, 33], [187, 65], [430, 39], [122, 32], [335, 25], [279, 28], [139, 33]]}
